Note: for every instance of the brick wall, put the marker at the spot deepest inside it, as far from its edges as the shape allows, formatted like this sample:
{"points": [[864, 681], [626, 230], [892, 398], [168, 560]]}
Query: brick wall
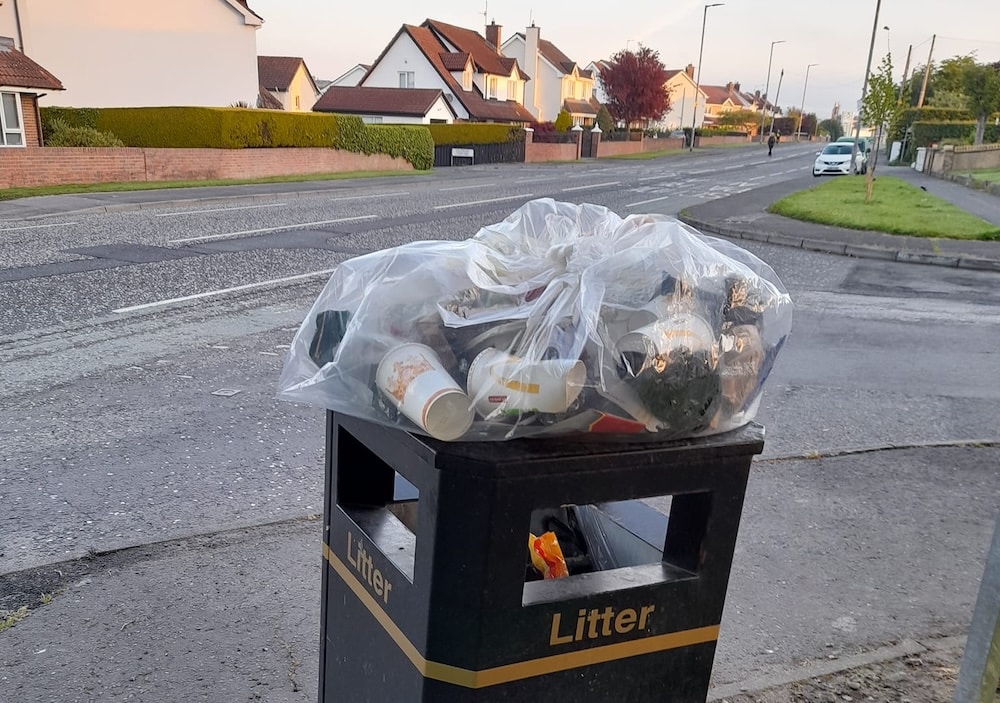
{"points": [[29, 110], [535, 153], [61, 166]]}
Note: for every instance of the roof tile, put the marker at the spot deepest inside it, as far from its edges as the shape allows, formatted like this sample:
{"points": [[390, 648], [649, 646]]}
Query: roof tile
{"points": [[378, 101], [18, 71]]}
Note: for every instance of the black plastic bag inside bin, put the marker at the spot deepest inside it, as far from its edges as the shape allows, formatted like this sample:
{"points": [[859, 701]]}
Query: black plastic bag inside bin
{"points": [[331, 326]]}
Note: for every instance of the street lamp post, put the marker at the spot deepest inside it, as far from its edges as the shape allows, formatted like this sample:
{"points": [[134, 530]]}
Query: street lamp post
{"points": [[697, 81], [767, 87], [802, 108], [864, 87]]}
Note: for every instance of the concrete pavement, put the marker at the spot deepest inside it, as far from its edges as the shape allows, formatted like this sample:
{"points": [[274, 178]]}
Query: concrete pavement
{"points": [[235, 616]]}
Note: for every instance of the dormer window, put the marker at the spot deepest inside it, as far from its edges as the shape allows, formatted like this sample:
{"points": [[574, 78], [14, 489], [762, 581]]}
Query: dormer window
{"points": [[467, 78], [492, 83]]}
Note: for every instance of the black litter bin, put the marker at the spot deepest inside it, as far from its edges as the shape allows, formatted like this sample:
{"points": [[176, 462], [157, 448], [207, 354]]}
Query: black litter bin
{"points": [[425, 596]]}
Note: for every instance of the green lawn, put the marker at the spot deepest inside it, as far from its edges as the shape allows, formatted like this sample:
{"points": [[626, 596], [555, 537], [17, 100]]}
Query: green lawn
{"points": [[896, 208], [12, 193], [645, 155], [993, 175]]}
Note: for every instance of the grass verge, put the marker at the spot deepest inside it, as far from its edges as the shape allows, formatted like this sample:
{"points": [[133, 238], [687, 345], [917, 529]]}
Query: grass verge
{"points": [[993, 176], [13, 193], [896, 207], [645, 156]]}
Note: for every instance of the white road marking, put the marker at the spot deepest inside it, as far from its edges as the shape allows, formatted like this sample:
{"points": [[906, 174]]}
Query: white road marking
{"points": [[654, 178], [704, 170], [534, 180], [219, 209], [270, 229], [18, 229], [483, 202], [756, 178], [647, 202], [592, 185], [367, 197], [248, 286], [478, 185]]}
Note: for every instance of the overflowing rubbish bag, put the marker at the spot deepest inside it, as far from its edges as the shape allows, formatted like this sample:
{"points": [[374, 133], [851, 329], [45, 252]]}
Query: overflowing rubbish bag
{"points": [[562, 319]]}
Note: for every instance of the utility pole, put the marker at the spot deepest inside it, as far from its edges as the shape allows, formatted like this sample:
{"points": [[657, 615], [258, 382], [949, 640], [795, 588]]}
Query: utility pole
{"points": [[906, 72], [697, 81], [864, 87], [774, 105], [927, 73], [802, 111], [767, 87]]}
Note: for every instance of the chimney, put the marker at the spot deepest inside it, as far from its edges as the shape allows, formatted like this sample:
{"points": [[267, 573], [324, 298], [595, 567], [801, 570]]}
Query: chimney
{"points": [[689, 69], [493, 34], [532, 35], [729, 87], [736, 86]]}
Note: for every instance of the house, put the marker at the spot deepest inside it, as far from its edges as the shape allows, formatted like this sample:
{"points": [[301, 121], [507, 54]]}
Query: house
{"points": [[681, 86], [481, 84], [721, 99], [389, 105], [287, 79], [22, 83], [555, 81], [127, 53], [353, 76]]}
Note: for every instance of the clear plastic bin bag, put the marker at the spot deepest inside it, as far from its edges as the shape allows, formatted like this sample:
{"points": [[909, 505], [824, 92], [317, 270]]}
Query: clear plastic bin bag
{"points": [[562, 319]]}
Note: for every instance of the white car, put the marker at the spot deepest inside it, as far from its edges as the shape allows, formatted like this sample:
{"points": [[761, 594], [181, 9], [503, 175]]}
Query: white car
{"points": [[835, 160]]}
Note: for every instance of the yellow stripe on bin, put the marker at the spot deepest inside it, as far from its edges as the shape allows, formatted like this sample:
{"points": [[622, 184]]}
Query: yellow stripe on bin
{"points": [[468, 678]]}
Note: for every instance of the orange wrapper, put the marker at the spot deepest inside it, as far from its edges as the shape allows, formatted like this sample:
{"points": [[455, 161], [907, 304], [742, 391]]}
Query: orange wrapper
{"points": [[547, 556]]}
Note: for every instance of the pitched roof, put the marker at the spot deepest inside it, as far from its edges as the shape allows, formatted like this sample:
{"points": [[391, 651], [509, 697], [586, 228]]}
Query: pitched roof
{"points": [[277, 72], [477, 107], [247, 8], [454, 60], [484, 54], [18, 71], [410, 102], [579, 107], [718, 94], [560, 60], [267, 101]]}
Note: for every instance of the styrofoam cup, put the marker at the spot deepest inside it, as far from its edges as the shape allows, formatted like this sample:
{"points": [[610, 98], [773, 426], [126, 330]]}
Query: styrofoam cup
{"points": [[500, 384], [669, 334], [414, 378]]}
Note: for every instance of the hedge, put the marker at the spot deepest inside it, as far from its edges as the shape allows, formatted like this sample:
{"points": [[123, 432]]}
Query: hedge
{"points": [[465, 133], [240, 128], [927, 133], [924, 114]]}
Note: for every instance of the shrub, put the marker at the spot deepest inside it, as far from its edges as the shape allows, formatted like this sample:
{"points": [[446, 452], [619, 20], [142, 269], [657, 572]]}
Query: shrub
{"points": [[563, 121], [411, 143], [69, 116], [61, 134], [463, 133], [604, 120]]}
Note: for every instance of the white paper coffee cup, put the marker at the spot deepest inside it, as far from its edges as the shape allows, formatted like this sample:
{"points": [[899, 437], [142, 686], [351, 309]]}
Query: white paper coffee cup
{"points": [[669, 334], [413, 377], [502, 384]]}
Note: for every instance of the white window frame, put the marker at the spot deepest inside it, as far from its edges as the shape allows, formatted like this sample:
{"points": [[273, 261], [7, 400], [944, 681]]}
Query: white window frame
{"points": [[511, 89], [491, 82], [4, 129], [467, 78], [407, 79]]}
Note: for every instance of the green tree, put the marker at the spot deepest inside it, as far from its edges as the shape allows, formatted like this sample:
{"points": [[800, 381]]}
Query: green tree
{"points": [[879, 109], [604, 120], [563, 121], [831, 128], [741, 120], [982, 86]]}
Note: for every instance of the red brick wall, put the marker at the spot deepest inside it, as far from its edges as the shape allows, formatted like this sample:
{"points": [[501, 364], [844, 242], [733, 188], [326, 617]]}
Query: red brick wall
{"points": [[535, 153], [29, 110], [610, 148], [61, 166]]}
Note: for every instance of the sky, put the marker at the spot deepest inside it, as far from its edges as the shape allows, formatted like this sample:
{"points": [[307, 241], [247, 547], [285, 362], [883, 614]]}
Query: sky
{"points": [[332, 36]]}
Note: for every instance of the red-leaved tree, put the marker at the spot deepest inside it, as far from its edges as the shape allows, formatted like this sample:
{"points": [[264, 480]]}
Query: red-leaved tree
{"points": [[634, 83]]}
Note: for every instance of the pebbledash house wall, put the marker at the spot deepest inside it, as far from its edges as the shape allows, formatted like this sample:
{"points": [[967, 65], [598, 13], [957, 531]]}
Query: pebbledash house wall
{"points": [[64, 165]]}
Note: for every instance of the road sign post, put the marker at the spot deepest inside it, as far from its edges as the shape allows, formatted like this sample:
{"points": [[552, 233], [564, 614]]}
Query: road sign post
{"points": [[980, 672]]}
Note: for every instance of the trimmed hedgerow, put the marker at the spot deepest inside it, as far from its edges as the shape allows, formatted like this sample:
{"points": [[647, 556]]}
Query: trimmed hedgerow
{"points": [[62, 134], [240, 128]]}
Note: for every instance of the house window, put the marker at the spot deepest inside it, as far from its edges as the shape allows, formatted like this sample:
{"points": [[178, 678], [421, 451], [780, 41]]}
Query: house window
{"points": [[493, 87], [11, 129], [371, 119], [406, 79], [467, 79], [298, 102], [512, 90]]}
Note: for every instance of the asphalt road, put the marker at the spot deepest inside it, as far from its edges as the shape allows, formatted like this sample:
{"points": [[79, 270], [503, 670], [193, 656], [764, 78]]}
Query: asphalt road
{"points": [[117, 328]]}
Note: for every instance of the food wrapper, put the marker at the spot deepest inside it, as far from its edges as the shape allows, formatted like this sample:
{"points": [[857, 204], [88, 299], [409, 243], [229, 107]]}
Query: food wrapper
{"points": [[547, 556], [562, 319]]}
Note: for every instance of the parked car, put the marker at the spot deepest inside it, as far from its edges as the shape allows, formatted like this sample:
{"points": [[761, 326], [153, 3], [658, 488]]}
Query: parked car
{"points": [[864, 146], [835, 160]]}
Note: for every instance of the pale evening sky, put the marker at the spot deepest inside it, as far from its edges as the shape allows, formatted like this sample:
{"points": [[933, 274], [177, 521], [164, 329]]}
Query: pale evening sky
{"points": [[334, 36]]}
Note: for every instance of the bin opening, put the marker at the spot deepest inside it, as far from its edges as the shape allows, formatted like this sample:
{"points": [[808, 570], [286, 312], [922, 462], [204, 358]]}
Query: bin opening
{"points": [[618, 544]]}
